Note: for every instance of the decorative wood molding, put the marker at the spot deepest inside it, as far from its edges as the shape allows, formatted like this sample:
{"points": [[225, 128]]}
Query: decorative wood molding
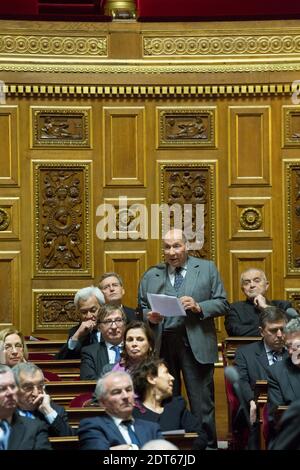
{"points": [[250, 217], [54, 309], [62, 218], [10, 285], [290, 126], [292, 215], [9, 218]]}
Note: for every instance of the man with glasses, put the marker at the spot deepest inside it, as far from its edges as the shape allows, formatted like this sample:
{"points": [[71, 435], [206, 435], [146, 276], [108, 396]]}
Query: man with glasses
{"points": [[87, 303], [112, 322], [112, 287], [188, 343], [33, 401], [17, 432]]}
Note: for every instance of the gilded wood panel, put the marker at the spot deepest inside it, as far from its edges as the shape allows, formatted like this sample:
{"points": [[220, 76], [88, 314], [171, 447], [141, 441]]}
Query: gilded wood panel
{"points": [[130, 265], [293, 295], [249, 145], [53, 309], [240, 260], [124, 146], [10, 288], [292, 215], [9, 218], [62, 218], [250, 217], [9, 138], [188, 188]]}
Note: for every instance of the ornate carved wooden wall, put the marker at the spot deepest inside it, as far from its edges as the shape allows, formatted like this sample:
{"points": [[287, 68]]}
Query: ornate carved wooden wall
{"points": [[200, 114]]}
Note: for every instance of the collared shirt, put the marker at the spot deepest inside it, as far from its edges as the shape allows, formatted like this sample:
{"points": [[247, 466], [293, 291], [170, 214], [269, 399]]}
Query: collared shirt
{"points": [[111, 353], [72, 343], [270, 356], [49, 417], [171, 272], [124, 431]]}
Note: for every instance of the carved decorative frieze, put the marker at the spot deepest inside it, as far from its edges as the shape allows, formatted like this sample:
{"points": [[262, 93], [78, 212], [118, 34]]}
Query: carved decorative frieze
{"points": [[293, 295], [180, 127], [60, 127], [52, 45], [62, 218], [54, 309], [291, 126], [292, 211], [191, 187], [220, 45]]}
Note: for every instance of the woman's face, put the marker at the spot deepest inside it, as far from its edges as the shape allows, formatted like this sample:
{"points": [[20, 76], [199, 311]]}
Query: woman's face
{"points": [[163, 382], [13, 349], [136, 344]]}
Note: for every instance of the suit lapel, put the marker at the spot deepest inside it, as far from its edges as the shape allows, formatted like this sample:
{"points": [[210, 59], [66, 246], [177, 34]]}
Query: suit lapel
{"points": [[114, 429], [293, 376], [191, 276], [17, 432], [261, 355]]}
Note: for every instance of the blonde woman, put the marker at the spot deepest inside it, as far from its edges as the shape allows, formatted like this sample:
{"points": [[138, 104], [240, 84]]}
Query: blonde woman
{"points": [[13, 349]]}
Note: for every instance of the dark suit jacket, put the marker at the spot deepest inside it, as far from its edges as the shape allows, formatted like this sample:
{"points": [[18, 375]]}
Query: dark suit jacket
{"points": [[28, 434], [284, 383], [93, 359], [288, 437], [66, 353], [252, 364], [174, 416], [243, 317], [101, 433], [60, 426], [203, 283]]}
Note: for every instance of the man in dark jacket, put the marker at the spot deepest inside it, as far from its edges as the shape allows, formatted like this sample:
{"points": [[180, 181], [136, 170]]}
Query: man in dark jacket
{"points": [[243, 317], [33, 402], [112, 287]]}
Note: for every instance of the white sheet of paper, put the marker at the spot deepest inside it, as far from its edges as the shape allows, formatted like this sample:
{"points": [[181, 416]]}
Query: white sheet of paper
{"points": [[166, 305]]}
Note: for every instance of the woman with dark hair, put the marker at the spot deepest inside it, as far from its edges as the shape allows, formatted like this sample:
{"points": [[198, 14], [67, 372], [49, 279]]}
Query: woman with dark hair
{"points": [[138, 346], [153, 384]]}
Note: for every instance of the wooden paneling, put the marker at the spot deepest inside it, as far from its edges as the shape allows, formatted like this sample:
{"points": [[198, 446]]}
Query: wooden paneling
{"points": [[249, 145], [9, 218], [124, 146], [10, 288], [242, 260], [9, 138], [250, 217], [130, 266]]}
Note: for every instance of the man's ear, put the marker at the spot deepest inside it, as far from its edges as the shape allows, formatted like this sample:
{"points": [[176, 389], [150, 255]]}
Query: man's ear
{"points": [[261, 331], [151, 379], [267, 285]]}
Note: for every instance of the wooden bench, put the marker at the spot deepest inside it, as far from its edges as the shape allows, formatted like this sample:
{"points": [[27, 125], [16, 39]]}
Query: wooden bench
{"points": [[182, 441], [261, 398], [67, 369], [77, 414], [63, 392], [230, 345], [44, 346]]}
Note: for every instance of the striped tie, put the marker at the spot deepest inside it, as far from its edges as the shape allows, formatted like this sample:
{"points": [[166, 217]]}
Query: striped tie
{"points": [[178, 279]]}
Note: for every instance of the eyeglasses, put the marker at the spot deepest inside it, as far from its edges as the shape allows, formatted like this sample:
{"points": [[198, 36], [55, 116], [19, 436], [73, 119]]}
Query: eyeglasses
{"points": [[10, 347], [117, 321], [28, 388], [109, 286]]}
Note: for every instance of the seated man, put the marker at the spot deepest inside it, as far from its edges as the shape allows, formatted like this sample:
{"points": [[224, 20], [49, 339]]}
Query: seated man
{"points": [[243, 317], [253, 360], [112, 322], [87, 303], [35, 403], [17, 432], [284, 376], [111, 285], [117, 430]]}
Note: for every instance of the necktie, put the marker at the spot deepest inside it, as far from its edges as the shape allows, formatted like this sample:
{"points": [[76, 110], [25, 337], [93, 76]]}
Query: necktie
{"points": [[117, 351], [133, 437], [178, 279], [4, 434], [276, 356]]}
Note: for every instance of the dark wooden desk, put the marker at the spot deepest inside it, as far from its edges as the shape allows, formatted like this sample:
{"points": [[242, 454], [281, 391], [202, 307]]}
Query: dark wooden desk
{"points": [[64, 368], [63, 392]]}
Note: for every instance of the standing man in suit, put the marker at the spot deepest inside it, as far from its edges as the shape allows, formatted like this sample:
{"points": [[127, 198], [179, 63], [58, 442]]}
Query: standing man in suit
{"points": [[112, 322], [34, 402], [112, 287], [188, 344], [16, 432], [87, 302], [117, 430], [243, 316], [253, 360]]}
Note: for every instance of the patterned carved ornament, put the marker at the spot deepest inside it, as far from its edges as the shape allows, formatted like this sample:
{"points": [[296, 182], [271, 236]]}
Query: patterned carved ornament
{"points": [[54, 310], [250, 218], [4, 219]]}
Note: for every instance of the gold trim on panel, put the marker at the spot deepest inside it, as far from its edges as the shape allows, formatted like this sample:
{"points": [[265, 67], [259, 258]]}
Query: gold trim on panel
{"points": [[14, 301], [189, 189], [9, 218], [293, 295], [60, 126], [290, 126], [148, 91], [48, 311], [66, 213], [186, 127], [250, 217], [291, 191], [18, 44], [12, 156]]}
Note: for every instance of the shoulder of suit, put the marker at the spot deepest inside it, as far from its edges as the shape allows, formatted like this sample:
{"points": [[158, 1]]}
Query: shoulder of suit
{"points": [[158, 268], [255, 345]]}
